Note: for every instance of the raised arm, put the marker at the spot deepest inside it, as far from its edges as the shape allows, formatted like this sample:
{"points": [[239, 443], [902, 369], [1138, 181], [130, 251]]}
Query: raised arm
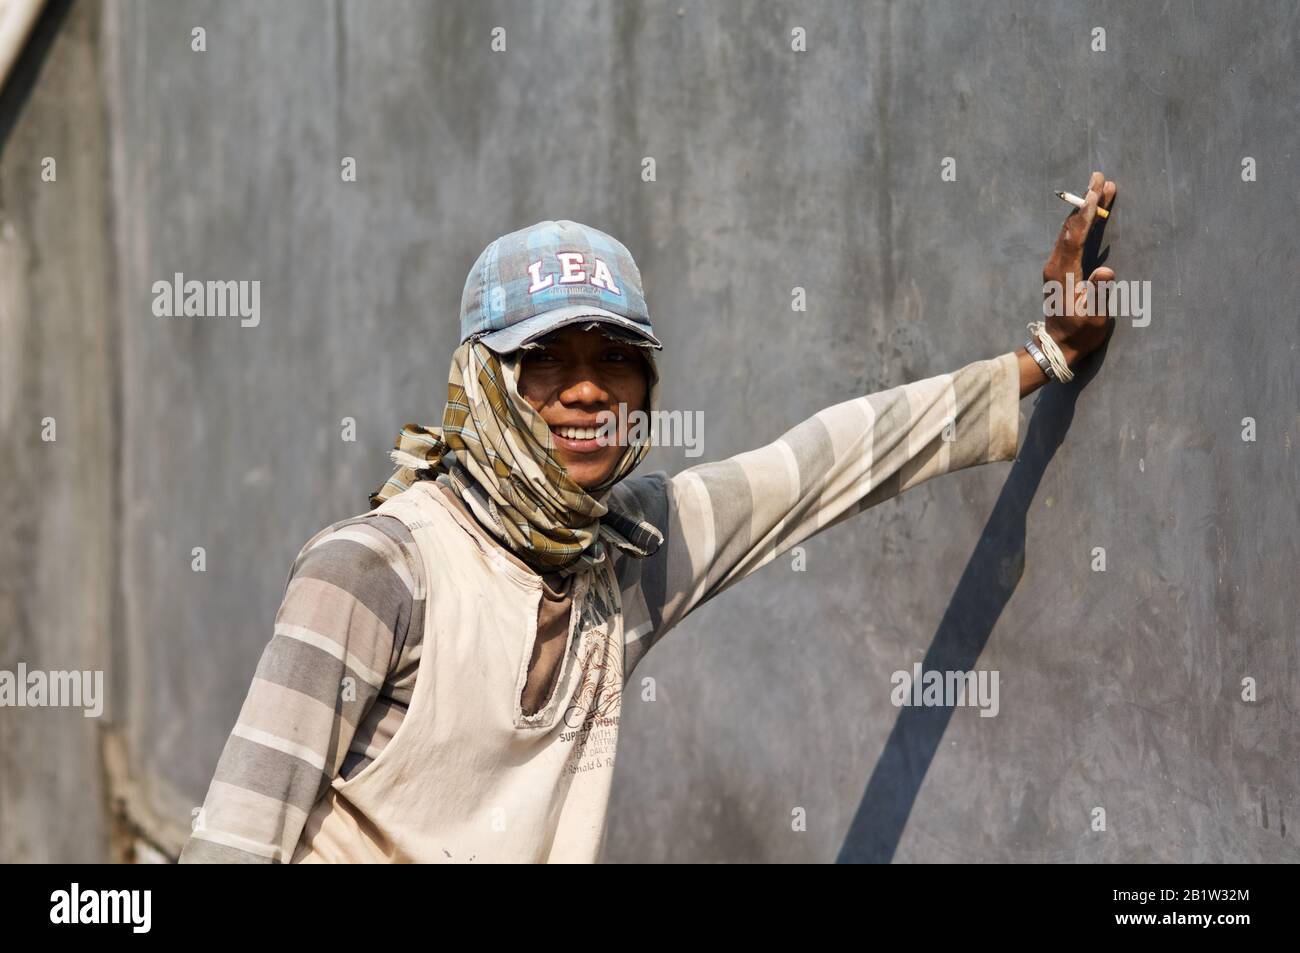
{"points": [[338, 633], [724, 520]]}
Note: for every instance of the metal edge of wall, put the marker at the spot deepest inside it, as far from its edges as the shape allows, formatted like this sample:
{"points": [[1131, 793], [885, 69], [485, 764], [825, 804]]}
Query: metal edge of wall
{"points": [[17, 18], [145, 814]]}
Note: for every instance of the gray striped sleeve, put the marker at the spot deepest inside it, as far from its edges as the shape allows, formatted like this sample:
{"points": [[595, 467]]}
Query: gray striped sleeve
{"points": [[341, 629], [724, 520]]}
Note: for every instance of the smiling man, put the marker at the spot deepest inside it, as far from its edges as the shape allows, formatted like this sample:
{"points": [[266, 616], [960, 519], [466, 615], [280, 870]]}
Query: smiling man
{"points": [[575, 378], [446, 675]]}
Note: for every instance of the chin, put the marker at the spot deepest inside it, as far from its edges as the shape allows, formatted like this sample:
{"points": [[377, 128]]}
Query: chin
{"points": [[588, 476], [587, 482]]}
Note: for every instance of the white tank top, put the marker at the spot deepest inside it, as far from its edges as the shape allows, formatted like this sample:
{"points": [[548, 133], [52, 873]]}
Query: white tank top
{"points": [[468, 776]]}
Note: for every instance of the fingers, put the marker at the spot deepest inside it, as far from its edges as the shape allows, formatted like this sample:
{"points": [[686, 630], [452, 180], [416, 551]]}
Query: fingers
{"points": [[1081, 219], [1101, 194], [1108, 191], [1098, 275], [1089, 210], [1078, 224], [1082, 292]]}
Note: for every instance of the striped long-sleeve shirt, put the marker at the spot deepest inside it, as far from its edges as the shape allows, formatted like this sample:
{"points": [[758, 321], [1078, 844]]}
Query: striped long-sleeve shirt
{"points": [[329, 690], [352, 612]]}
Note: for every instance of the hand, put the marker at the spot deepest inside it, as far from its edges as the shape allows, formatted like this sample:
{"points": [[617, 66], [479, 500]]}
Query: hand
{"points": [[1077, 331]]}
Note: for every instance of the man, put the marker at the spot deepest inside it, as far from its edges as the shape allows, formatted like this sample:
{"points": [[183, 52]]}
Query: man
{"points": [[445, 678]]}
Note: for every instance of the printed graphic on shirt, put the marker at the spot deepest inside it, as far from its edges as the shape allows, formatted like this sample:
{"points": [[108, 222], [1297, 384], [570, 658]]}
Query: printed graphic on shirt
{"points": [[599, 604], [591, 720]]}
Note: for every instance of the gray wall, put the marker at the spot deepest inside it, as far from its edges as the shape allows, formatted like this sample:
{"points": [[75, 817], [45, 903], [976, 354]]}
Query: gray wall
{"points": [[1119, 690]]}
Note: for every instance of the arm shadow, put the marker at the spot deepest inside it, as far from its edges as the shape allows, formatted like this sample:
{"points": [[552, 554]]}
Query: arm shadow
{"points": [[987, 584]]}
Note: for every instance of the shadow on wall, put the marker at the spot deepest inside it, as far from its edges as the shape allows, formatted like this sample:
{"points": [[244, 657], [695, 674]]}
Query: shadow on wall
{"points": [[991, 576], [27, 68]]}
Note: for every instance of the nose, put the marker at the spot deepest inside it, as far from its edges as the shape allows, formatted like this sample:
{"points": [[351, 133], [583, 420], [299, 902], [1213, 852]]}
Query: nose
{"points": [[584, 388]]}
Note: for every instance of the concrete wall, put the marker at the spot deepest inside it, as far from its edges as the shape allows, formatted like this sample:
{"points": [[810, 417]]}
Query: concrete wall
{"points": [[1118, 690], [60, 548]]}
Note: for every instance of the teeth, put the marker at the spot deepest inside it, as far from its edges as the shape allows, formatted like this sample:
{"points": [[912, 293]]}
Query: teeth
{"points": [[577, 433]]}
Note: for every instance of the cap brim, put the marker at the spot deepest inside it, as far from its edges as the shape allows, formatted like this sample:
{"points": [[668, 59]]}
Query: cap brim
{"points": [[528, 330]]}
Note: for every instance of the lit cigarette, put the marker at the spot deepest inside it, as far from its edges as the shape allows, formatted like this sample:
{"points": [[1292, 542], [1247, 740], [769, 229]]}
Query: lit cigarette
{"points": [[1080, 203]]}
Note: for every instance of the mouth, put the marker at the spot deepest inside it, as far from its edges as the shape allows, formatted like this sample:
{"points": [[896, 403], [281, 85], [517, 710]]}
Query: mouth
{"points": [[578, 439]]}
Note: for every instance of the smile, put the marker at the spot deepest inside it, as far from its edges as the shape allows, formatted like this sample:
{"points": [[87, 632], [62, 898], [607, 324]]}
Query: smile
{"points": [[576, 433], [579, 439]]}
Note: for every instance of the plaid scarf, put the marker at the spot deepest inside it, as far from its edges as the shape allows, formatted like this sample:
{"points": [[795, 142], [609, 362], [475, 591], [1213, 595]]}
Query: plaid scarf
{"points": [[498, 454]]}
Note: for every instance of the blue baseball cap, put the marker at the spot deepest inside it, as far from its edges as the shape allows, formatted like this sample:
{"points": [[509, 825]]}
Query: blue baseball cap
{"points": [[532, 281]]}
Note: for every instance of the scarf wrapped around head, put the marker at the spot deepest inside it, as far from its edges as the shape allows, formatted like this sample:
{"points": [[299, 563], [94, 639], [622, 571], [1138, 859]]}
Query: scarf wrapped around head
{"points": [[498, 454]]}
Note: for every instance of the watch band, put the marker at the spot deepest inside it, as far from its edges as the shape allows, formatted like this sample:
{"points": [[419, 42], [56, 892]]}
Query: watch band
{"points": [[1041, 359]]}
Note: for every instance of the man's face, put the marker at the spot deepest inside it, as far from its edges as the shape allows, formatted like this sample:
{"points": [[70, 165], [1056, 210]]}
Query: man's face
{"points": [[569, 380]]}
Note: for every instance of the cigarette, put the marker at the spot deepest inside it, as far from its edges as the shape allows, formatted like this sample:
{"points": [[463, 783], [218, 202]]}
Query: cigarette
{"points": [[1080, 203]]}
